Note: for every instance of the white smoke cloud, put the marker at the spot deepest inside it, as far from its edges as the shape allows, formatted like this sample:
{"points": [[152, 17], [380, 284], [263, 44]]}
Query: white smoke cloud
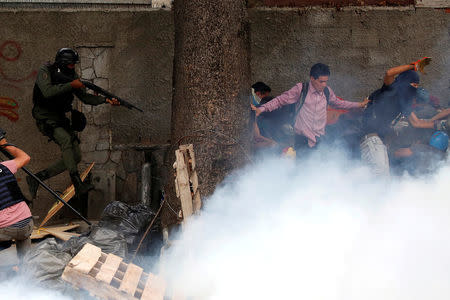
{"points": [[22, 288], [325, 229]]}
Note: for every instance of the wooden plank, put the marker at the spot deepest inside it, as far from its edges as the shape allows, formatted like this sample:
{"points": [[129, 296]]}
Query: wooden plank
{"points": [[42, 232], [66, 196], [95, 287], [182, 181], [189, 148], [109, 268], [155, 288], [62, 235], [86, 259], [131, 279]]}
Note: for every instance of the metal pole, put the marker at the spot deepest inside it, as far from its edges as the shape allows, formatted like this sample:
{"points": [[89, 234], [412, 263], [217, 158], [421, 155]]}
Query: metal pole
{"points": [[7, 154]]}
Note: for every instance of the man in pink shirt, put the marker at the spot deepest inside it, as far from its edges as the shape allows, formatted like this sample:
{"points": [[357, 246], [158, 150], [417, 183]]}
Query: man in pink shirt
{"points": [[311, 115], [16, 222]]}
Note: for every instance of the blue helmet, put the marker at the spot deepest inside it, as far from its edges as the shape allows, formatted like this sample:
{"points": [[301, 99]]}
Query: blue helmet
{"points": [[439, 140]]}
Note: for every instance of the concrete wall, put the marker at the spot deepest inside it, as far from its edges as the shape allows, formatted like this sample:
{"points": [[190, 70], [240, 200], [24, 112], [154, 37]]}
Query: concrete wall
{"points": [[137, 67], [358, 43]]}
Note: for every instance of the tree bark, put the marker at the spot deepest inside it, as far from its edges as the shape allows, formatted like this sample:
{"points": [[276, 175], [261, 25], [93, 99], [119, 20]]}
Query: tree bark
{"points": [[210, 106]]}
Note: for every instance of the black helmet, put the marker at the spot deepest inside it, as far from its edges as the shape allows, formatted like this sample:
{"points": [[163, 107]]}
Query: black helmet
{"points": [[66, 56]]}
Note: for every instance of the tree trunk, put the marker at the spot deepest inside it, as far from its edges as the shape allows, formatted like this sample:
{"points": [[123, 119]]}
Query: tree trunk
{"points": [[210, 105]]}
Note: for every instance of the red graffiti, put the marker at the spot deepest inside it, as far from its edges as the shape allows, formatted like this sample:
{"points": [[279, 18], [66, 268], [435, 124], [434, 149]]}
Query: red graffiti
{"points": [[11, 51], [8, 107]]}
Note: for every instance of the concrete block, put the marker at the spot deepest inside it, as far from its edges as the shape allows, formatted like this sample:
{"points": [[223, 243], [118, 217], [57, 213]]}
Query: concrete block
{"points": [[101, 114], [89, 137], [86, 108], [99, 157], [86, 63], [116, 156], [102, 145], [101, 64], [87, 147], [85, 53], [88, 74]]}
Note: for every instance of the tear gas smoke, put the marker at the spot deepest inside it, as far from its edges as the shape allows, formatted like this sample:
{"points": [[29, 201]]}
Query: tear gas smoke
{"points": [[23, 288], [325, 229]]}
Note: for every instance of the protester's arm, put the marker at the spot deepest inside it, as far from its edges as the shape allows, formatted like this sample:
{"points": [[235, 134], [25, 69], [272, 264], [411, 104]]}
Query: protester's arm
{"points": [[344, 104], [20, 157], [288, 97], [416, 66], [442, 115], [420, 123], [389, 77]]}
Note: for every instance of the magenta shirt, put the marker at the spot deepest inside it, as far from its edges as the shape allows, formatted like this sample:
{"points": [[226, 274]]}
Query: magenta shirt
{"points": [[312, 118], [16, 212]]}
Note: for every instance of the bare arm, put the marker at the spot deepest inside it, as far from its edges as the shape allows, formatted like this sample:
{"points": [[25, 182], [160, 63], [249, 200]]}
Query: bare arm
{"points": [[442, 115], [420, 123], [20, 157], [418, 65], [392, 72]]}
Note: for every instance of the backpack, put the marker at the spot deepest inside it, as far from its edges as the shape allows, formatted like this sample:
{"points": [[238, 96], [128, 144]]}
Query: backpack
{"points": [[298, 105]]}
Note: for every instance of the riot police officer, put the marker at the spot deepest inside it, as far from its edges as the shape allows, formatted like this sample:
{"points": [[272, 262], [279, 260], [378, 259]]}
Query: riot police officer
{"points": [[53, 93]]}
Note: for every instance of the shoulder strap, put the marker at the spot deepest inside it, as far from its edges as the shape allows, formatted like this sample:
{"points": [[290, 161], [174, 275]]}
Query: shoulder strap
{"points": [[327, 94], [301, 101]]}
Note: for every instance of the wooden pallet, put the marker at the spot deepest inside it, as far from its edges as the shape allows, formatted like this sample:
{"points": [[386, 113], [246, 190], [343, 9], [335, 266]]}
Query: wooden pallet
{"points": [[106, 276], [186, 181]]}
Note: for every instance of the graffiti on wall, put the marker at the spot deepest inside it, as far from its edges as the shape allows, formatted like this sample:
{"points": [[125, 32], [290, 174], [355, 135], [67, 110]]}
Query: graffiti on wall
{"points": [[10, 51]]}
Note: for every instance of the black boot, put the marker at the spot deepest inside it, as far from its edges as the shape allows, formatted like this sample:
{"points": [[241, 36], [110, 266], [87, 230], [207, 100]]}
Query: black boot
{"points": [[81, 188], [33, 184]]}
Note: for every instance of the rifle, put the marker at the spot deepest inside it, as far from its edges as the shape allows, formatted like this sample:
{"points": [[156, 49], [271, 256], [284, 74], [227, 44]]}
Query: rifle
{"points": [[109, 95], [100, 91], [9, 156]]}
